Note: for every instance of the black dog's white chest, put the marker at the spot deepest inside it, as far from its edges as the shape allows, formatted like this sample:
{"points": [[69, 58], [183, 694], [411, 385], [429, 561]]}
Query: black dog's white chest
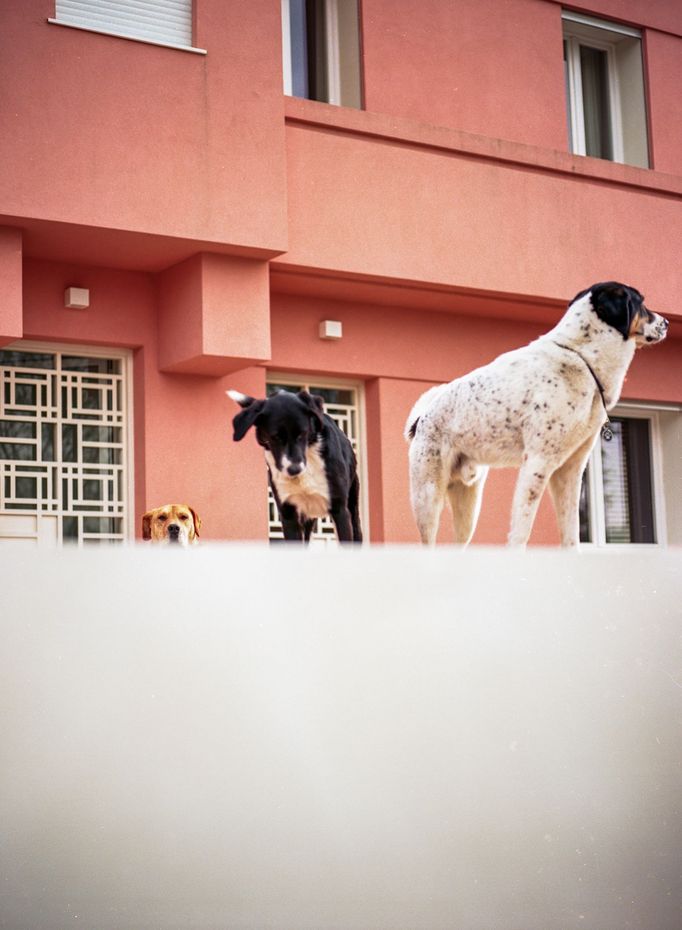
{"points": [[308, 492]]}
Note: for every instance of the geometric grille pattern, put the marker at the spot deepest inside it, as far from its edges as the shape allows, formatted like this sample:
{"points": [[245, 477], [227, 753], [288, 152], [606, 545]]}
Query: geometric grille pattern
{"points": [[62, 445], [342, 405]]}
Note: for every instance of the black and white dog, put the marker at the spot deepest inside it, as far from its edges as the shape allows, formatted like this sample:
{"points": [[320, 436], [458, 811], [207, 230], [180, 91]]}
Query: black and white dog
{"points": [[311, 464], [539, 408]]}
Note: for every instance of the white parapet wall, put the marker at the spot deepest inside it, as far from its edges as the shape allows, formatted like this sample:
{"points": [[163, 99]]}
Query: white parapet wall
{"points": [[379, 739]]}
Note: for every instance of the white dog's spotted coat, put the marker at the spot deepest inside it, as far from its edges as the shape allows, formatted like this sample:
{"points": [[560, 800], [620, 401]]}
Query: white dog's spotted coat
{"points": [[537, 408]]}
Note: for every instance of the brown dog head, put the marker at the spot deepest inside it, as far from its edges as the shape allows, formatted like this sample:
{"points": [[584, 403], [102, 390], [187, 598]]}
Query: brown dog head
{"points": [[172, 524]]}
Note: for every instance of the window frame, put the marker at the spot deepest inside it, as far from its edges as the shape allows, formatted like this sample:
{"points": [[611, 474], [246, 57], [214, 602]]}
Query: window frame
{"points": [[629, 113], [327, 381], [576, 100], [333, 55], [128, 447], [595, 496]]}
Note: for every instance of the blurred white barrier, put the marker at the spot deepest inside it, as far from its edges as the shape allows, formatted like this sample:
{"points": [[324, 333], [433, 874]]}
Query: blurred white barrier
{"points": [[235, 737]]}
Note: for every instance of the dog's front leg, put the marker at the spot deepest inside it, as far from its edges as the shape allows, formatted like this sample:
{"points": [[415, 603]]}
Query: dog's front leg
{"points": [[564, 486], [340, 514], [291, 525], [531, 483]]}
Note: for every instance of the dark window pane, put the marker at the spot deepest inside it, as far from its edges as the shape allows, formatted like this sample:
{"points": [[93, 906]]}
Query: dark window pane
{"points": [[16, 429], [101, 434], [69, 443], [101, 524], [26, 359], [26, 488], [70, 529], [334, 395], [628, 497], [92, 491], [596, 108], [92, 399], [104, 366], [291, 388], [17, 452], [316, 24], [584, 510], [98, 456], [25, 394], [47, 432]]}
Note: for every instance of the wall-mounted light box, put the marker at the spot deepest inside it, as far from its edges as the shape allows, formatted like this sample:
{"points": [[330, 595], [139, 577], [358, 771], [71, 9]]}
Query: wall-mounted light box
{"points": [[77, 298], [331, 329]]}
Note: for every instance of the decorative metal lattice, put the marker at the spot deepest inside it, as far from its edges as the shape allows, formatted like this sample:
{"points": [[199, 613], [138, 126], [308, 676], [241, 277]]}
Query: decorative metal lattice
{"points": [[342, 405], [63, 443]]}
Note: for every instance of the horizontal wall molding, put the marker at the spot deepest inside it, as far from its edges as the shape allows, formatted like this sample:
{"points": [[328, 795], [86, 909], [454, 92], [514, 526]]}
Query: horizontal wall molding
{"points": [[408, 132]]}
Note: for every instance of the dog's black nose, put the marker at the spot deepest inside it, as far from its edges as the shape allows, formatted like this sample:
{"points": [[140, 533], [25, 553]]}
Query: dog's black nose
{"points": [[294, 470], [173, 530]]}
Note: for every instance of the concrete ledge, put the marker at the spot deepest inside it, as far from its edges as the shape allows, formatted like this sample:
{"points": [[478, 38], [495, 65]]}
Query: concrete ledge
{"points": [[245, 737]]}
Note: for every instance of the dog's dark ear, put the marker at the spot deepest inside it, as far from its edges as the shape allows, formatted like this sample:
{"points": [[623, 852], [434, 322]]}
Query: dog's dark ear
{"points": [[147, 524], [617, 305], [316, 406], [243, 422]]}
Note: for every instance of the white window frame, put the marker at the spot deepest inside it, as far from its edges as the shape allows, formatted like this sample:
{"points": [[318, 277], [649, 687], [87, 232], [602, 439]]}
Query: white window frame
{"points": [[305, 380], [595, 497], [576, 109], [629, 121], [128, 445]]}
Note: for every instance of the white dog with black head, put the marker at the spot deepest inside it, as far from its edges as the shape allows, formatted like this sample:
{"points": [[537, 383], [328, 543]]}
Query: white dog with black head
{"points": [[539, 408]]}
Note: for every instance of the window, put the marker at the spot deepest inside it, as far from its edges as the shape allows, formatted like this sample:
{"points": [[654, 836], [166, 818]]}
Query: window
{"points": [[63, 445], [161, 22], [343, 404], [321, 50], [620, 499], [605, 90]]}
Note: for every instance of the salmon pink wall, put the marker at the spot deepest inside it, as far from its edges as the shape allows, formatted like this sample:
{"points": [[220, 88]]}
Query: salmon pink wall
{"points": [[408, 212], [665, 15], [664, 70], [10, 284], [470, 66], [214, 314], [182, 424], [428, 346], [107, 132]]}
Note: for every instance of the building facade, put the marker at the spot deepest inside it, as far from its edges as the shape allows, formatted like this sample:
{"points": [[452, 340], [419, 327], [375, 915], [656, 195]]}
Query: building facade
{"points": [[190, 189]]}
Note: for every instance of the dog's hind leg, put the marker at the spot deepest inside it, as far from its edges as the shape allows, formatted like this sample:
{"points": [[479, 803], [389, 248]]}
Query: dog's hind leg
{"points": [[427, 506], [564, 486], [429, 478], [465, 504], [530, 486]]}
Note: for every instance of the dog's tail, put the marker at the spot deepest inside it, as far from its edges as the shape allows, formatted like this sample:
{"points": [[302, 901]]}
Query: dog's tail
{"points": [[419, 409]]}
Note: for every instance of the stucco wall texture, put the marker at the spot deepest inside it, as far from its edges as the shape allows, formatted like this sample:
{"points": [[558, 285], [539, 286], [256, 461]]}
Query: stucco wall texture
{"points": [[216, 222]]}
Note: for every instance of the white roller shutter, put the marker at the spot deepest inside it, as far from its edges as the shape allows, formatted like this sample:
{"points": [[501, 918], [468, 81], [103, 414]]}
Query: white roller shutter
{"points": [[166, 21]]}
